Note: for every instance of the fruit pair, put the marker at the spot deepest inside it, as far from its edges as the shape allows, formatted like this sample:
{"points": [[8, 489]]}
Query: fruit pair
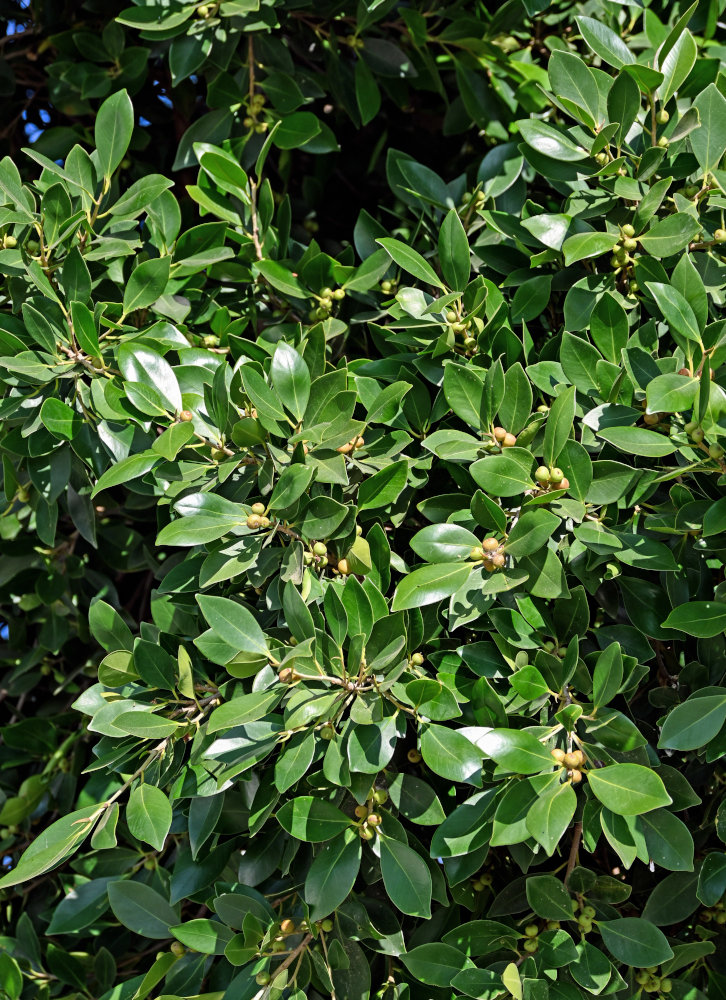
{"points": [[353, 445], [504, 438]]}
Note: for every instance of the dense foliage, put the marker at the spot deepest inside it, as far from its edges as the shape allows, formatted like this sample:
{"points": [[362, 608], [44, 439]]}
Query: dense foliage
{"points": [[363, 526]]}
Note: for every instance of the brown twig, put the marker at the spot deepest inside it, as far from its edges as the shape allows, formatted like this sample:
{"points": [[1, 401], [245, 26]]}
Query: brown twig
{"points": [[572, 860]]}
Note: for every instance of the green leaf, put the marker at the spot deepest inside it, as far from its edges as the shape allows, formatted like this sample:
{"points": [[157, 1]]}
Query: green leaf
{"points": [[670, 235], [311, 819], [281, 279], [451, 755], [638, 441], [148, 815], [703, 619], [694, 723], [291, 379], [550, 816], [558, 426], [635, 941], [234, 624], [709, 141], [406, 877], [549, 898], [671, 393], [430, 584], [516, 750], [604, 42], [676, 310], [608, 675], [332, 874], [628, 789], [246, 708], [454, 252], [440, 543], [141, 909], [209, 937], [435, 964], [582, 246], [108, 627], [113, 129], [504, 475], [410, 260], [549, 142], [147, 283]]}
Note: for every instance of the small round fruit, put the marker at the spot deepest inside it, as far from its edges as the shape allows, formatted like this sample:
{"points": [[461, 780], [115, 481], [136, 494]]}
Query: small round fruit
{"points": [[630, 245], [218, 454], [263, 978], [715, 451], [666, 985], [499, 560], [451, 316], [698, 435], [203, 11], [564, 484], [210, 340], [552, 925], [287, 927], [359, 442], [490, 545], [692, 424], [543, 408], [558, 754], [476, 554], [285, 675], [417, 659], [374, 819], [575, 777], [584, 924], [361, 812], [9, 242], [549, 646], [326, 293], [470, 343], [327, 732], [531, 930], [663, 142], [720, 235], [571, 760], [521, 659], [542, 474], [627, 230], [721, 917], [177, 948], [509, 441], [530, 945], [499, 434], [339, 294], [651, 419], [414, 756], [366, 833], [380, 796], [343, 567], [320, 549], [556, 475], [614, 262], [477, 885], [662, 117], [258, 508], [253, 521], [326, 303], [186, 416], [326, 925], [601, 158]]}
